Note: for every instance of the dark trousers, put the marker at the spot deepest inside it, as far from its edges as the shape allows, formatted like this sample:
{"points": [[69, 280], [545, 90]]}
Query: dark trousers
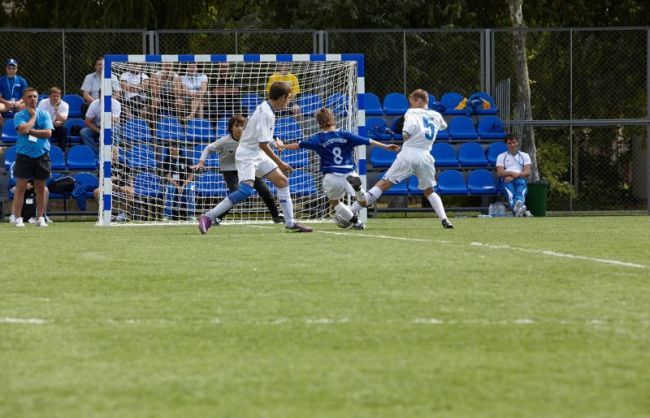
{"points": [[60, 135], [232, 182]]}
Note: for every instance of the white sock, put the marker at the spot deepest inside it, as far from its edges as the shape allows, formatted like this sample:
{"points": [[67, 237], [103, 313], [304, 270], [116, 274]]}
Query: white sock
{"points": [[344, 211], [436, 202], [220, 209], [284, 196], [373, 195]]}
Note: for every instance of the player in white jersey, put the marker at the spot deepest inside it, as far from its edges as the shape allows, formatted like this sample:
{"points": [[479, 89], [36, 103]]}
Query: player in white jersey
{"points": [[255, 158], [513, 167], [421, 125]]}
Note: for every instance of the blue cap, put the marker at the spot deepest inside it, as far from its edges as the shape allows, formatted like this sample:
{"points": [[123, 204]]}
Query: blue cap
{"points": [[12, 61]]}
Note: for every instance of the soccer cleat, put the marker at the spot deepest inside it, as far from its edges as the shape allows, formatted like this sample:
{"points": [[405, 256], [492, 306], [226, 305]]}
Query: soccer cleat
{"points": [[41, 222], [296, 227], [355, 182], [359, 225], [278, 219], [204, 224], [446, 224], [47, 219], [19, 223]]}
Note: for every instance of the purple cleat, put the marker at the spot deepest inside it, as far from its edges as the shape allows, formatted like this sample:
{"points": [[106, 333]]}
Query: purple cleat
{"points": [[204, 224], [297, 228]]}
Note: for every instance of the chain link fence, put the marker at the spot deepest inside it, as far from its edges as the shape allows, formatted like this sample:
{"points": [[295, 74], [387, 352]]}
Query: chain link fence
{"points": [[588, 86]]}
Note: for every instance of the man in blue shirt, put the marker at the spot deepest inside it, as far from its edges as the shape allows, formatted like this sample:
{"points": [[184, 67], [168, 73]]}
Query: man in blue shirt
{"points": [[34, 128], [335, 148], [12, 87]]}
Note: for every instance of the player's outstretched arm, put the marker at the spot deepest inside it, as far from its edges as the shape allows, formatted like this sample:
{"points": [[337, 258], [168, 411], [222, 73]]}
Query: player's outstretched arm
{"points": [[293, 146], [388, 147]]}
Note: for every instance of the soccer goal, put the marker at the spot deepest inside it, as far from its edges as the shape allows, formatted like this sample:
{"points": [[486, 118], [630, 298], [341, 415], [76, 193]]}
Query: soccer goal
{"points": [[172, 105]]}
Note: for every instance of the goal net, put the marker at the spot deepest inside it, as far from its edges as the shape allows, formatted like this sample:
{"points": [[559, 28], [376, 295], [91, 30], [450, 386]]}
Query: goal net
{"points": [[169, 108]]}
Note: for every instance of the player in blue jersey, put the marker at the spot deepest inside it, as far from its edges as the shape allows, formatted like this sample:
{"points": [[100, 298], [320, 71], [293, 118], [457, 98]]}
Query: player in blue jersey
{"points": [[335, 148]]}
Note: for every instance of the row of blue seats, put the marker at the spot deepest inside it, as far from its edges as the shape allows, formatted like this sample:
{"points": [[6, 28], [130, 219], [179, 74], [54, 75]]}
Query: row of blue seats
{"points": [[451, 182], [78, 157], [397, 104], [470, 154], [211, 184], [460, 128]]}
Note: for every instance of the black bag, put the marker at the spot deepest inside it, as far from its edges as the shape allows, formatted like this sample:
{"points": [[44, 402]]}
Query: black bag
{"points": [[75, 130], [63, 184], [29, 205]]}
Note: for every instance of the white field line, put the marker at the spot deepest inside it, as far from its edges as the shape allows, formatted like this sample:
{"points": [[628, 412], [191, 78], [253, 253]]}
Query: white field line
{"points": [[557, 254], [550, 253], [30, 321]]}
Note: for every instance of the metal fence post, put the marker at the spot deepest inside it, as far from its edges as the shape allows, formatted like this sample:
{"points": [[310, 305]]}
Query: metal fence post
{"points": [[647, 126], [63, 60]]}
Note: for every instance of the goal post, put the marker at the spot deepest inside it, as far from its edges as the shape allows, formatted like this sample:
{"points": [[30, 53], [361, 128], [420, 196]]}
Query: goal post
{"points": [[172, 106]]}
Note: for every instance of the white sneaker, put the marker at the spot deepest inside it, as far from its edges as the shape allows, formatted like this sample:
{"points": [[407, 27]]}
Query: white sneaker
{"points": [[12, 219], [516, 211], [31, 221], [19, 223], [41, 222], [47, 219]]}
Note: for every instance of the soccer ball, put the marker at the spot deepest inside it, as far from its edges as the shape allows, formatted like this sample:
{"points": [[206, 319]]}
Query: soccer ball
{"points": [[342, 223]]}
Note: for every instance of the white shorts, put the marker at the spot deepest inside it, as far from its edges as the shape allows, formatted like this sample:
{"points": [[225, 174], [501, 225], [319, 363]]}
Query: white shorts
{"points": [[249, 167], [336, 186], [413, 162]]}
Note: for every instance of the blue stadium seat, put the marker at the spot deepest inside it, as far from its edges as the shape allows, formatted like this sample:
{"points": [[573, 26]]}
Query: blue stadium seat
{"points": [[413, 187], [450, 100], [250, 101], [147, 185], [481, 182], [471, 154], [10, 157], [136, 130], [381, 158], [287, 129], [87, 179], [57, 158], [451, 182], [462, 127], [479, 110], [211, 162], [395, 104], [141, 156], [81, 157], [338, 104], [443, 135], [494, 150], [377, 129], [309, 104], [9, 134], [211, 184], [222, 127], [432, 101], [302, 183], [70, 124], [444, 155], [373, 106], [296, 158], [396, 128], [200, 130], [169, 129], [74, 101], [491, 127]]}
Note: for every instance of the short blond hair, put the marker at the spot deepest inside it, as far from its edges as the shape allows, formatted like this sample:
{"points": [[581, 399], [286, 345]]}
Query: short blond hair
{"points": [[325, 118], [419, 94]]}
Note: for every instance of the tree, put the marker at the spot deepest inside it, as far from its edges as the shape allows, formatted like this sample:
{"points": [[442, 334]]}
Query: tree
{"points": [[523, 81]]}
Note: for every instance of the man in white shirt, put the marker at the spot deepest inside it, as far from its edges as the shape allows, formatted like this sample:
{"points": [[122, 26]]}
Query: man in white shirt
{"points": [[194, 87], [58, 110], [134, 83], [93, 121], [93, 83], [255, 158], [421, 126], [513, 167]]}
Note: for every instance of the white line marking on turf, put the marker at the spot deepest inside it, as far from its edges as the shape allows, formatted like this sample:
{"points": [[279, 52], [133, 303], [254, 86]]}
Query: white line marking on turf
{"points": [[557, 254], [377, 236], [32, 321]]}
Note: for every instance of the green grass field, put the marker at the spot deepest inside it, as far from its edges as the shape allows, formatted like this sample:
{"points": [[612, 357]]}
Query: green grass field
{"points": [[404, 319]]}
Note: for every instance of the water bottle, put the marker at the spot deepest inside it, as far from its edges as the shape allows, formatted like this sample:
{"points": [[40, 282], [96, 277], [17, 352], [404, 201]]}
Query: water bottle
{"points": [[501, 210], [491, 210]]}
